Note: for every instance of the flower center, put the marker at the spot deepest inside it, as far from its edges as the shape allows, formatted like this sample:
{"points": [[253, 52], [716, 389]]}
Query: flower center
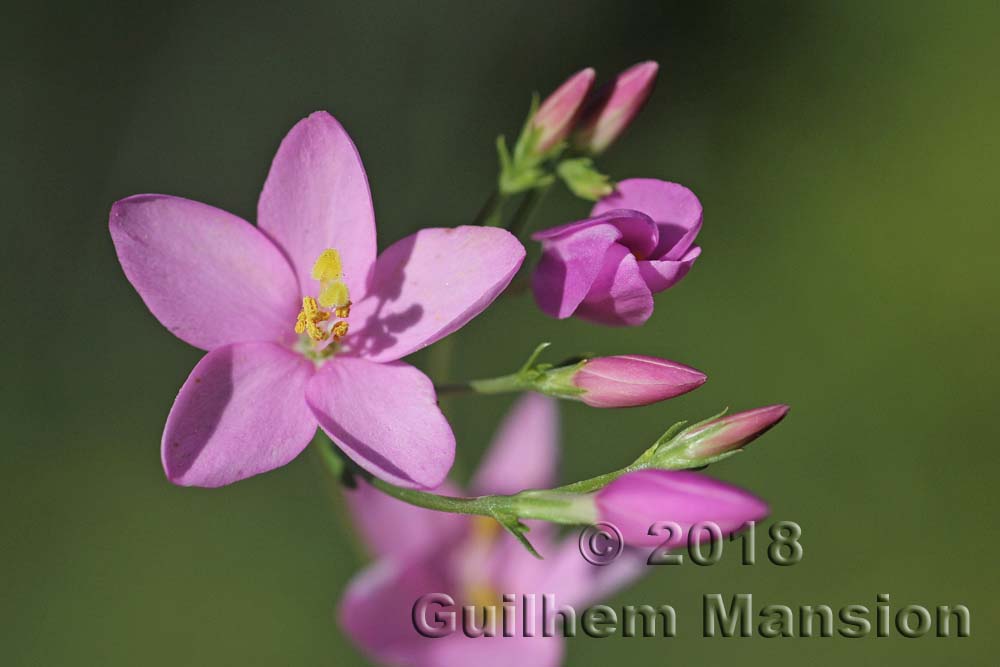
{"points": [[477, 588], [325, 316]]}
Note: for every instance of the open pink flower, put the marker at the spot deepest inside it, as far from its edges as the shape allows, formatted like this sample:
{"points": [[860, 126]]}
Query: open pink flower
{"points": [[242, 292], [638, 241], [473, 561]]}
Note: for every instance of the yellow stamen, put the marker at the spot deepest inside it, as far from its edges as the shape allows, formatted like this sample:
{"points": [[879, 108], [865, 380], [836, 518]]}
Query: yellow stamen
{"points": [[339, 330], [328, 266], [333, 294], [482, 595], [484, 529], [309, 319]]}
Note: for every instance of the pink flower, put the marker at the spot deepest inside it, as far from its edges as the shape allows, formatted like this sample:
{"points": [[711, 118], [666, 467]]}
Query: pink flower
{"points": [[630, 380], [558, 113], [637, 500], [611, 109], [637, 242], [473, 561], [302, 324]]}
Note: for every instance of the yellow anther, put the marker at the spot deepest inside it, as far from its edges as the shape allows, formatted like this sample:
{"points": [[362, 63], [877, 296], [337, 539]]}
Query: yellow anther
{"points": [[333, 294], [309, 307], [309, 319], [328, 266], [339, 330], [484, 529], [482, 595]]}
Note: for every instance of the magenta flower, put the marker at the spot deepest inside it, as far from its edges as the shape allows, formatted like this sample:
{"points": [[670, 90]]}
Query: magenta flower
{"points": [[630, 380], [732, 431], [637, 500], [609, 111], [558, 113], [302, 324], [605, 269], [473, 561]]}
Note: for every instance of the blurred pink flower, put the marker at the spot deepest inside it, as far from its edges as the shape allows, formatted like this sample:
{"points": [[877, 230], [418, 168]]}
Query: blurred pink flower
{"points": [[610, 110], [637, 500], [472, 560], [242, 292], [606, 268]]}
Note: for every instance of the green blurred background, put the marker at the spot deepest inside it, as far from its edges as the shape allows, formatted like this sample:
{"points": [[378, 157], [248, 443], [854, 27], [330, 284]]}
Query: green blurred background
{"points": [[846, 155]]}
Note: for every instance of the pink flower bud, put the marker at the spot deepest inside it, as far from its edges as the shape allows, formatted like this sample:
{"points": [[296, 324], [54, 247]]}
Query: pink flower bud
{"points": [[732, 431], [558, 113], [638, 500], [609, 111], [630, 380]]}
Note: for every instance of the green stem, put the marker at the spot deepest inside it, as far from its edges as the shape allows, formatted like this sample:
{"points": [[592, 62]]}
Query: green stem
{"points": [[519, 222], [544, 505], [491, 213]]}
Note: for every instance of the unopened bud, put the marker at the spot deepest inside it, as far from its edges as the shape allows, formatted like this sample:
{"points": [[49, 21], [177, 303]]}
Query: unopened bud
{"points": [[636, 502], [632, 380], [725, 434], [560, 110], [611, 109]]}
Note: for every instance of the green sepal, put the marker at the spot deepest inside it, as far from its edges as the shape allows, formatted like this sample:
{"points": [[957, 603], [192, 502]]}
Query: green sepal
{"points": [[583, 179], [518, 529]]}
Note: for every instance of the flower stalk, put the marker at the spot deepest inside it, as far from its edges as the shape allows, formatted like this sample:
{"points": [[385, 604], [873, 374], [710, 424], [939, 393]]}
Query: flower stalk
{"points": [[571, 504]]}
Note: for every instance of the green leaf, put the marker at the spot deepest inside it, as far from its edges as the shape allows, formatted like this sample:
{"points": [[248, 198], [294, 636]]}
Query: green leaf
{"points": [[518, 530]]}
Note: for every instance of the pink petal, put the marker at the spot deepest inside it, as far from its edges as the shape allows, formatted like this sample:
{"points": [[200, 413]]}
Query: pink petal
{"points": [[396, 529], [460, 651], [575, 581], [377, 613], [315, 197], [386, 418], [661, 274], [525, 450], [241, 412], [429, 285], [208, 276], [619, 295], [377, 607], [573, 254], [675, 209]]}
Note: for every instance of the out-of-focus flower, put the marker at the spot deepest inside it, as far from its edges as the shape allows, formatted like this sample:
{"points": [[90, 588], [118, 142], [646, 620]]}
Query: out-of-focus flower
{"points": [[274, 318], [636, 501], [630, 380], [471, 560], [725, 434], [605, 269], [558, 113], [612, 108]]}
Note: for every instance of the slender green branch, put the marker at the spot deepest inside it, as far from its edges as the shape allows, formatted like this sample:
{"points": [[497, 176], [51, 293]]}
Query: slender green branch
{"points": [[519, 223], [491, 213], [535, 504]]}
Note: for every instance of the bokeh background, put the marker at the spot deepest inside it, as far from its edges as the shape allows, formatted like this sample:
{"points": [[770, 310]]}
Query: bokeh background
{"points": [[846, 155]]}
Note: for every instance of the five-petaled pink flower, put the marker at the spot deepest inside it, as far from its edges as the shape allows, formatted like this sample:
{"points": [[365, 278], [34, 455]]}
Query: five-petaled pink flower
{"points": [[474, 562], [302, 324], [638, 241]]}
